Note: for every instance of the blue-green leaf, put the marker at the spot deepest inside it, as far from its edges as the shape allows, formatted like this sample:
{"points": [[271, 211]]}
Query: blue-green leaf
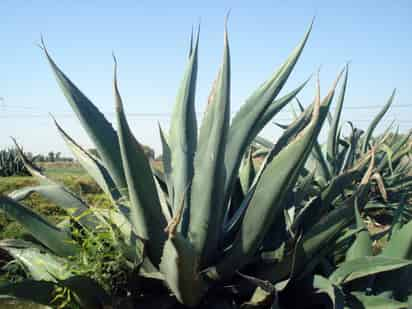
{"points": [[332, 147], [375, 122], [97, 127], [182, 137], [49, 235], [242, 132], [206, 210], [145, 211]]}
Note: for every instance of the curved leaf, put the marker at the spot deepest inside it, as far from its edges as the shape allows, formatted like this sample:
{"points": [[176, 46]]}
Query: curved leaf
{"points": [[241, 132], [332, 149], [56, 193], [207, 211], [145, 211], [275, 107], [180, 264], [64, 199], [40, 264], [365, 267], [247, 172], [323, 285], [52, 237], [362, 246], [400, 244], [276, 180], [183, 131], [375, 122], [93, 121], [91, 164]]}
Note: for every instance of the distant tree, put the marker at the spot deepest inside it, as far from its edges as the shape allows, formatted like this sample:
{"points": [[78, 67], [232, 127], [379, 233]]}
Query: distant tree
{"points": [[51, 156]]}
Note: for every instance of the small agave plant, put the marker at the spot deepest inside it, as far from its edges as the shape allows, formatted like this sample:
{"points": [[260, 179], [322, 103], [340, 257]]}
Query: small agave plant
{"points": [[11, 164], [209, 228]]}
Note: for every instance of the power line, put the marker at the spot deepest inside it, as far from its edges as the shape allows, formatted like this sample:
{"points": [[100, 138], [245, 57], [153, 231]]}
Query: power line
{"points": [[11, 107], [154, 116]]}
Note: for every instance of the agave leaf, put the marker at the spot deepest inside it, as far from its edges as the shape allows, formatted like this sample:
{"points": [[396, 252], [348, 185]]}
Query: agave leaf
{"points": [[52, 237], [40, 264], [304, 189], [330, 246], [207, 211], [362, 246], [133, 245], [366, 266], [260, 297], [40, 292], [56, 193], [336, 220], [275, 107], [93, 121], [92, 165], [317, 240], [400, 244], [323, 285], [389, 155], [241, 132], [145, 211], [351, 151], [167, 165], [375, 122], [343, 181], [179, 265], [233, 222], [322, 166], [332, 148], [166, 211], [381, 186], [64, 199], [247, 172], [291, 132], [397, 217], [278, 178], [87, 292], [183, 131], [390, 151], [321, 169], [308, 215], [374, 302]]}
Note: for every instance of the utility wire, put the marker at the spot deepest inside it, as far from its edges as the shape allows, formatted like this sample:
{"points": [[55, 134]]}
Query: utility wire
{"points": [[8, 107]]}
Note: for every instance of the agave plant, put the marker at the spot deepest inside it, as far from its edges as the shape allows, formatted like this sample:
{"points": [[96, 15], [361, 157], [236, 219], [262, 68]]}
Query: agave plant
{"points": [[211, 230], [339, 159], [11, 164]]}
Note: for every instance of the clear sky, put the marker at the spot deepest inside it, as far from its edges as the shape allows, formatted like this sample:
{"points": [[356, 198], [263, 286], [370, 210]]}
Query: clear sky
{"points": [[150, 40]]}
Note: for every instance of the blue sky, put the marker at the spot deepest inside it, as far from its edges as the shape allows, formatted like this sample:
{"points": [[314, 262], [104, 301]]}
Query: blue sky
{"points": [[150, 40]]}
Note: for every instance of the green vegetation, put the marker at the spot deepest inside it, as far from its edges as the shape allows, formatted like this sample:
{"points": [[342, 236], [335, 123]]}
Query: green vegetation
{"points": [[212, 229]]}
